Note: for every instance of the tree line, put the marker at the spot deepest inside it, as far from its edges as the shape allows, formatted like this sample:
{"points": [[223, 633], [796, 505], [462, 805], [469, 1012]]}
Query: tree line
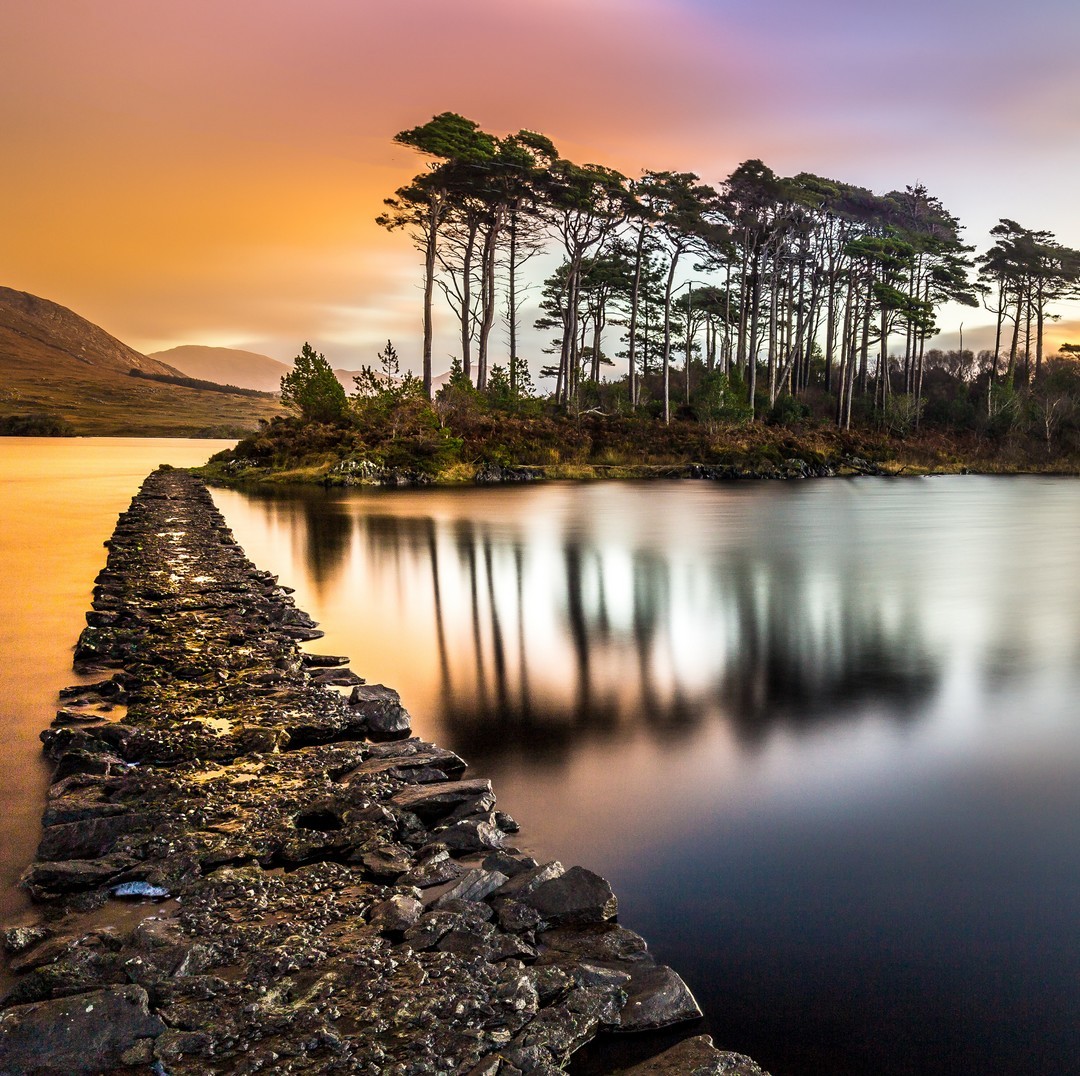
{"points": [[736, 297]]}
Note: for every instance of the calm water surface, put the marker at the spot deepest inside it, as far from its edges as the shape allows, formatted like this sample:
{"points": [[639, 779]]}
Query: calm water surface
{"points": [[822, 737]]}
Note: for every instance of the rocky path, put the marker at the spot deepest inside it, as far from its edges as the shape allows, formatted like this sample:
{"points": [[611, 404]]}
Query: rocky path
{"points": [[248, 865]]}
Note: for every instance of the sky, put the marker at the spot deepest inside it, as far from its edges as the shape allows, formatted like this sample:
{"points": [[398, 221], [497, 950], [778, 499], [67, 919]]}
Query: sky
{"points": [[209, 172]]}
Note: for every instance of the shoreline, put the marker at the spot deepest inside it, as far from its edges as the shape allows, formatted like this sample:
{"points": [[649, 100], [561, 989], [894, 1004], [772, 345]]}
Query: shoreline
{"points": [[372, 476], [241, 867]]}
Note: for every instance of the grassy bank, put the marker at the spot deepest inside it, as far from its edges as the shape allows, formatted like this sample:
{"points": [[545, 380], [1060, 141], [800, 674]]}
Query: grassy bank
{"points": [[415, 446]]}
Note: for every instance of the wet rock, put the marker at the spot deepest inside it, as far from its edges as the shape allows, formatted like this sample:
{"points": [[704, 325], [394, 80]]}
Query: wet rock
{"points": [[337, 678], [656, 997], [101, 762], [552, 983], [323, 661], [86, 1033], [173, 1046], [603, 943], [524, 882], [44, 879], [509, 863], [598, 975], [435, 868], [517, 917], [430, 803], [388, 861], [473, 835], [16, 939], [407, 760], [91, 837], [529, 1061], [694, 1057], [506, 823], [576, 897], [380, 710]]}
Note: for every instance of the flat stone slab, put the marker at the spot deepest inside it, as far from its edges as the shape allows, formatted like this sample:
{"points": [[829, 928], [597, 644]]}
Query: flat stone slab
{"points": [[433, 802], [85, 1033]]}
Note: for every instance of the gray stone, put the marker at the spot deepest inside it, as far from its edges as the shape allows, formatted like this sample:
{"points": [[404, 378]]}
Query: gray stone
{"points": [[18, 939], [521, 883], [433, 802], [509, 863], [337, 678], [517, 917], [405, 763], [473, 835], [388, 861], [433, 871], [323, 661], [474, 885], [601, 943], [90, 837]]}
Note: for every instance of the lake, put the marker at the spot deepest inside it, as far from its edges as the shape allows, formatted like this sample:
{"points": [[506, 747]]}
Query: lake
{"points": [[822, 737]]}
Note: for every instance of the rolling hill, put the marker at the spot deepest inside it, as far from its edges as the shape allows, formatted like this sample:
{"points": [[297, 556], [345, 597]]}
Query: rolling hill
{"points": [[232, 366], [54, 362], [226, 366]]}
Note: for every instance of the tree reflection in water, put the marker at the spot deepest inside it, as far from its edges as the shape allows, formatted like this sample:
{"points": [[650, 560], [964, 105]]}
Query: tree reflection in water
{"points": [[544, 639]]}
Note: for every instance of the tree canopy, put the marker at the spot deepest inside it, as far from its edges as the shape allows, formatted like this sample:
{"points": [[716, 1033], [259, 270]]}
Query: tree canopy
{"points": [[312, 389]]}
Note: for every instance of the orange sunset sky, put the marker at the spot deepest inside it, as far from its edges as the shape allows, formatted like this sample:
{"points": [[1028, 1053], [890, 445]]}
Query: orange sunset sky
{"points": [[209, 172]]}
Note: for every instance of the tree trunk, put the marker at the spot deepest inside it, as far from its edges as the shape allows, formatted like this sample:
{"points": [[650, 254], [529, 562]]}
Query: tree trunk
{"points": [[667, 335], [631, 362], [512, 300], [429, 286]]}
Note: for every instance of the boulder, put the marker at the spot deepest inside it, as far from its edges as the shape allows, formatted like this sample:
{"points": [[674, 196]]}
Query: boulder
{"points": [[381, 711], [396, 914], [576, 897], [472, 835]]}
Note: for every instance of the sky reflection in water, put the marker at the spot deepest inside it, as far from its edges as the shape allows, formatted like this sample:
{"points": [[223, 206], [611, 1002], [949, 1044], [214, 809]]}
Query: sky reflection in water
{"points": [[821, 737]]}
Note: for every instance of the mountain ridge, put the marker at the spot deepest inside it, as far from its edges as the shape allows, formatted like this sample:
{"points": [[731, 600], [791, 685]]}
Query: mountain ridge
{"points": [[56, 363]]}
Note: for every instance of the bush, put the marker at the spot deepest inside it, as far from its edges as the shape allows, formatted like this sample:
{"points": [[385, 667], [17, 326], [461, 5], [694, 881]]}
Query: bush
{"points": [[35, 426], [787, 411]]}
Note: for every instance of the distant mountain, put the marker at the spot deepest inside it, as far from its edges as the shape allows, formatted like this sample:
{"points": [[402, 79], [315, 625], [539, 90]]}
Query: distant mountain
{"points": [[246, 369], [226, 366], [52, 361]]}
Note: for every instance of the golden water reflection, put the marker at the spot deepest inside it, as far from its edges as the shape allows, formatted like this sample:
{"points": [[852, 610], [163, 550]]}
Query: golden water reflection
{"points": [[60, 502]]}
